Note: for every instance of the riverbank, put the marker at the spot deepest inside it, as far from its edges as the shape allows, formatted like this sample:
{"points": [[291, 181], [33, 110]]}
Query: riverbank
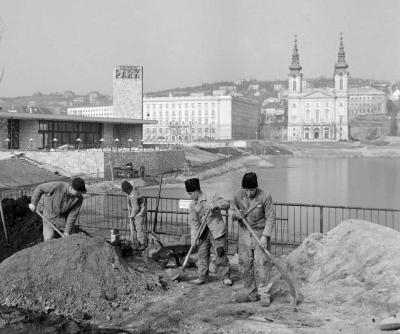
{"points": [[385, 147], [202, 172]]}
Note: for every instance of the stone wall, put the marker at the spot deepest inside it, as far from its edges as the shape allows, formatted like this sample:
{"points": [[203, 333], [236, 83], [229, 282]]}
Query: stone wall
{"points": [[154, 162], [369, 129]]}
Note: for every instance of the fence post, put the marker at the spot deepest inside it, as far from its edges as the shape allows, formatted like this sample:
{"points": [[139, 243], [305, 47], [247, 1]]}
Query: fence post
{"points": [[227, 231], [321, 219]]}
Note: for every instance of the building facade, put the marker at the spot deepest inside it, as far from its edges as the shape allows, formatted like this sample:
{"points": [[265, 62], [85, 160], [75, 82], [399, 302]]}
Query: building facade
{"points": [[318, 113], [45, 131], [189, 118], [366, 101]]}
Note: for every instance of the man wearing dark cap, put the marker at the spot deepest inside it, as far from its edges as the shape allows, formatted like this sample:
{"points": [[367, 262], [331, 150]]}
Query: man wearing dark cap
{"points": [[136, 212], [254, 264], [214, 234], [61, 204]]}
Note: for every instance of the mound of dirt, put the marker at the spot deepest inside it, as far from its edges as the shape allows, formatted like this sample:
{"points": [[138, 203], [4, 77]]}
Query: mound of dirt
{"points": [[355, 262], [76, 273]]}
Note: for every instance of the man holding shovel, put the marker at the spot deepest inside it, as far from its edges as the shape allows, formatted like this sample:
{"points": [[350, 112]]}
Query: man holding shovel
{"points": [[214, 234], [61, 205], [254, 263], [136, 214]]}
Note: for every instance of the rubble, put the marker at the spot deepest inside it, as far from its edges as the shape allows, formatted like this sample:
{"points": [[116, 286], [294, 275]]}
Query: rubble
{"points": [[73, 274]]}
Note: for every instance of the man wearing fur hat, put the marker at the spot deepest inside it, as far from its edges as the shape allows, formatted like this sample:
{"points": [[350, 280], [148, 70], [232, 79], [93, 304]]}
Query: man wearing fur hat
{"points": [[254, 264], [214, 234], [136, 212]]}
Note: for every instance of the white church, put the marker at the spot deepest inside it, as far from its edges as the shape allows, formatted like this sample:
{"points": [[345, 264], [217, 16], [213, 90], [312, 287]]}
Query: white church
{"points": [[318, 114]]}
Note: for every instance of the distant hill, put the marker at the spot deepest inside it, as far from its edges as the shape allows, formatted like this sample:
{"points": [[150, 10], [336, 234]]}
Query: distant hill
{"points": [[54, 103]]}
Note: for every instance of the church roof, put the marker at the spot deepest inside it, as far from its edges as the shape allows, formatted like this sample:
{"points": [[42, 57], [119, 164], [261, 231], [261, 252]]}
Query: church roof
{"points": [[318, 93], [365, 90]]}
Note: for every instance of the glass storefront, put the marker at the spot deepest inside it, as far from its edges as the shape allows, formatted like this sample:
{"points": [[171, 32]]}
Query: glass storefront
{"points": [[67, 133]]}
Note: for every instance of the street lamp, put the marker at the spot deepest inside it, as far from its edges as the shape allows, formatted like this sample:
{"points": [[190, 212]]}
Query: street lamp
{"points": [[55, 140], [78, 142], [130, 144], [101, 143], [7, 140]]}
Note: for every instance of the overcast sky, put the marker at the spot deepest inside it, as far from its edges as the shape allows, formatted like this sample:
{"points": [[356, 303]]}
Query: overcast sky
{"points": [[58, 45]]}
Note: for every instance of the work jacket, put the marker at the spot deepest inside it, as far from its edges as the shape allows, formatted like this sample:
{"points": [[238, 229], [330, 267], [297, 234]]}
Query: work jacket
{"points": [[58, 204], [215, 223], [136, 204], [263, 216]]}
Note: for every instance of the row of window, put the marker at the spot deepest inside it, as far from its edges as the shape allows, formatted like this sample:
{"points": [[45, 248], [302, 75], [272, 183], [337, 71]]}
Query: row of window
{"points": [[180, 114], [179, 105], [316, 105], [366, 98], [179, 130]]}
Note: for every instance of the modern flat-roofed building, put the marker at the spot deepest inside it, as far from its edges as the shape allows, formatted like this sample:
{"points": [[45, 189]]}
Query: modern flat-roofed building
{"points": [[19, 130]]}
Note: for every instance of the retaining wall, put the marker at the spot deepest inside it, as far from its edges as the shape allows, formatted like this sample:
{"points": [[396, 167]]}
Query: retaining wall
{"points": [[154, 162]]}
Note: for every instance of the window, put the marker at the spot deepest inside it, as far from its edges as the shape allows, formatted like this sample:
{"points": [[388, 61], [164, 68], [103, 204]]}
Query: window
{"points": [[326, 115], [294, 105], [317, 115], [307, 115]]}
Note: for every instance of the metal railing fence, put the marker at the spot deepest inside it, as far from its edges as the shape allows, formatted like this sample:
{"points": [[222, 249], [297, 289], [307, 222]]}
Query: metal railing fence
{"points": [[294, 221]]}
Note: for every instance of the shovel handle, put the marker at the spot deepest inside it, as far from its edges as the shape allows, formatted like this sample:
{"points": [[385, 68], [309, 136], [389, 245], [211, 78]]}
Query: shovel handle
{"points": [[51, 225], [197, 237], [285, 275]]}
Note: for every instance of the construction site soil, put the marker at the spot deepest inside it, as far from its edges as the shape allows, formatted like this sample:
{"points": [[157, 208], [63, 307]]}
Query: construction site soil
{"points": [[349, 277]]}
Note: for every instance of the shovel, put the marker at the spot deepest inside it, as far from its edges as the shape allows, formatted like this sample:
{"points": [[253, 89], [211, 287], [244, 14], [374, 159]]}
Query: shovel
{"points": [[179, 274], [51, 225], [297, 295]]}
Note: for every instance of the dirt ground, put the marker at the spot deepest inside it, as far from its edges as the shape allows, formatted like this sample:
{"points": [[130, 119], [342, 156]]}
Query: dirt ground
{"points": [[210, 308]]}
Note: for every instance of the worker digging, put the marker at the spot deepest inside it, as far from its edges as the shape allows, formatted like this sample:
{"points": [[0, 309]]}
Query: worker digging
{"points": [[61, 205]]}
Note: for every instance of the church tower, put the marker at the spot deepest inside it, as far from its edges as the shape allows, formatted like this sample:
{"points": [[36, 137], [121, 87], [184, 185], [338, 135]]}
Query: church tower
{"points": [[295, 75], [341, 72], [342, 97]]}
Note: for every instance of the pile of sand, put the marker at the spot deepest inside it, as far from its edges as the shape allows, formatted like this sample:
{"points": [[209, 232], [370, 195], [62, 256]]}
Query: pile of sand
{"points": [[358, 261], [77, 273]]}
